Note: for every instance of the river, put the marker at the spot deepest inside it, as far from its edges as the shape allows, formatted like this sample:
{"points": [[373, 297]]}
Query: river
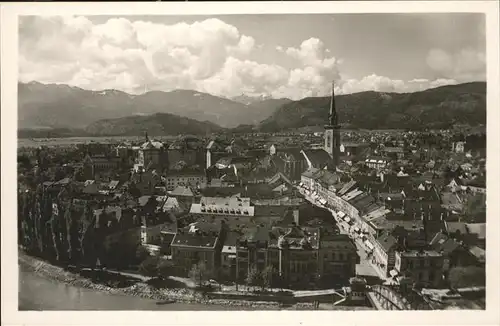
{"points": [[39, 293]]}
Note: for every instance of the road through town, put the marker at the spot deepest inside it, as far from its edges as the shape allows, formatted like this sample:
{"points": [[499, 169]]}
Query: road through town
{"points": [[365, 267]]}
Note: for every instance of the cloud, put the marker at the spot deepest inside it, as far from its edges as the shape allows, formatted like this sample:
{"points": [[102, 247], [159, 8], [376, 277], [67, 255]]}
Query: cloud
{"points": [[464, 65], [385, 84], [316, 71], [132, 53], [244, 76], [207, 55]]}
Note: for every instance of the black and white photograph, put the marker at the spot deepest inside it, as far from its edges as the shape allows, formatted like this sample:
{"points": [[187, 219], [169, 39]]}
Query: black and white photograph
{"points": [[251, 162]]}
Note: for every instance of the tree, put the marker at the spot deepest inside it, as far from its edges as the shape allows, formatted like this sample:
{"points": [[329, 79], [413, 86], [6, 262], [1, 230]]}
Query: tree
{"points": [[73, 247], [165, 268], [267, 276], [254, 276], [87, 224], [133, 190], [56, 229], [24, 162], [149, 267], [460, 277], [475, 207], [141, 254], [199, 274], [21, 199]]}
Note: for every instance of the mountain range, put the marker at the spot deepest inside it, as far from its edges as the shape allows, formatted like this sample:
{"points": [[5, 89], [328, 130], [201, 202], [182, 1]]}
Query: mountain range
{"points": [[154, 124], [112, 112], [436, 108], [63, 106]]}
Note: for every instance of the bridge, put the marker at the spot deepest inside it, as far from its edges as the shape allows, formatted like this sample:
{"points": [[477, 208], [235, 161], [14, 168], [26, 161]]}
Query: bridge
{"points": [[385, 298], [338, 296]]}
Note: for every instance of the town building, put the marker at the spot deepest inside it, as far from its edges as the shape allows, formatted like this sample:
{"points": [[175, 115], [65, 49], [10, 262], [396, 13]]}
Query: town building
{"points": [[187, 177], [188, 151], [152, 155], [198, 242], [424, 267], [95, 165]]}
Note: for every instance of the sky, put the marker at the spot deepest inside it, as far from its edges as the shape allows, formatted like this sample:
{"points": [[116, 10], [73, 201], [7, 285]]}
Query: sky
{"points": [[293, 56]]}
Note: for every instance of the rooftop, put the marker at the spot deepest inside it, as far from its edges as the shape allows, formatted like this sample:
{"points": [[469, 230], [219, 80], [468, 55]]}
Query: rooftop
{"points": [[221, 209], [420, 253], [193, 239]]}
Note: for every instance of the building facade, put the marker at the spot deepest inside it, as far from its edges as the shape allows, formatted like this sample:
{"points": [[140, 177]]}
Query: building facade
{"points": [[422, 266]]}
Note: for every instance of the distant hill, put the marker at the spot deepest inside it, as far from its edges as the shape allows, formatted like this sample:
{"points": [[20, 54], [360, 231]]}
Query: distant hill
{"points": [[267, 107], [51, 133], [63, 106], [440, 107], [248, 99], [156, 124]]}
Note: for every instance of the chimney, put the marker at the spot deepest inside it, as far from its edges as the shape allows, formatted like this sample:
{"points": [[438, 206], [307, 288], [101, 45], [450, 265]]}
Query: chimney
{"points": [[296, 217]]}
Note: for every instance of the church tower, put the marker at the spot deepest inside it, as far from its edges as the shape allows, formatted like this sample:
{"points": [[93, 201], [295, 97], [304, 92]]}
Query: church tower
{"points": [[332, 134]]}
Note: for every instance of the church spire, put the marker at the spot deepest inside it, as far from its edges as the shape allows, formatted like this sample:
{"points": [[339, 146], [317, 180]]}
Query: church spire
{"points": [[332, 134], [332, 116]]}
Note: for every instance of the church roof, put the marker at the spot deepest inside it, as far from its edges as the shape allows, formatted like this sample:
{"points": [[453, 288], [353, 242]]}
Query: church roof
{"points": [[318, 158], [310, 172], [328, 178], [151, 144]]}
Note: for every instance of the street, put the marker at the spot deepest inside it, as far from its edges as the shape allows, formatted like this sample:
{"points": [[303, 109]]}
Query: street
{"points": [[365, 267]]}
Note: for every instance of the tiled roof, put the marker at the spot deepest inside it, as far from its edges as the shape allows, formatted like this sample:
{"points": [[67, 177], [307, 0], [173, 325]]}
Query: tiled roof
{"points": [[184, 170], [348, 186], [328, 178], [354, 144], [362, 202], [380, 211], [194, 240], [270, 210], [318, 157], [63, 181], [113, 184], [231, 238], [479, 253], [308, 214], [256, 234], [293, 151], [258, 191], [438, 239], [182, 191], [393, 150], [352, 194], [445, 245], [92, 188], [259, 174], [233, 201], [295, 235], [221, 191], [279, 178], [310, 172], [383, 223], [152, 144], [477, 228], [387, 241]]}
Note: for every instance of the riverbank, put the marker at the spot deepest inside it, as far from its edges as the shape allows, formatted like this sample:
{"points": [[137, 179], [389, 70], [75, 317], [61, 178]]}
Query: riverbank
{"points": [[143, 290]]}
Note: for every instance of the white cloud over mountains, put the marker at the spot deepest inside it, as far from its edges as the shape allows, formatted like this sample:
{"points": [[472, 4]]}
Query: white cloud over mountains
{"points": [[208, 55]]}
